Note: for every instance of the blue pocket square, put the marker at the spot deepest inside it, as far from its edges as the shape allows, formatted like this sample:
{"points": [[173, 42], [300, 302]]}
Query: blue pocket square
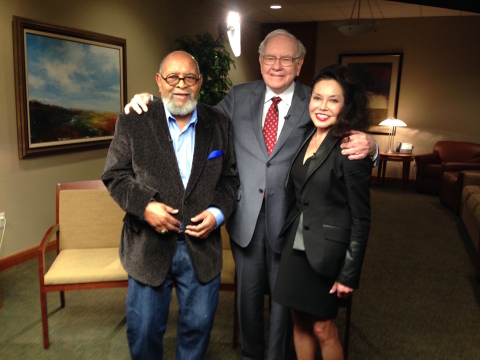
{"points": [[215, 154]]}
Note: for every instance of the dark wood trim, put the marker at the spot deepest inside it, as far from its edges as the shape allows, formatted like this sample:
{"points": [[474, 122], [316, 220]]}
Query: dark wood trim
{"points": [[29, 254]]}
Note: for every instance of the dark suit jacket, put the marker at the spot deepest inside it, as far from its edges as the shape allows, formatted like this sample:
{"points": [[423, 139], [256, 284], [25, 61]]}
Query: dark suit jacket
{"points": [[258, 171], [335, 202], [141, 165]]}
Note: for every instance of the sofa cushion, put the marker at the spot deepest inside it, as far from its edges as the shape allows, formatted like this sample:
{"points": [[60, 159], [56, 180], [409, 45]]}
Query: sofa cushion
{"points": [[468, 191], [473, 202]]}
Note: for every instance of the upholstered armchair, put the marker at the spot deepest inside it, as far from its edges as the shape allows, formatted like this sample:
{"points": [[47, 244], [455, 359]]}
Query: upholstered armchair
{"points": [[447, 156]]}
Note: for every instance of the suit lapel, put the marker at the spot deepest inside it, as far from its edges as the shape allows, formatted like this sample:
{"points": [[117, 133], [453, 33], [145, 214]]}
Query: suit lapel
{"points": [[322, 153], [256, 111], [203, 133]]}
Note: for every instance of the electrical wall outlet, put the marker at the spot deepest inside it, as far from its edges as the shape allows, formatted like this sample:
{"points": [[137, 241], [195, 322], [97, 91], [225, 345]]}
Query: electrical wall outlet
{"points": [[2, 220]]}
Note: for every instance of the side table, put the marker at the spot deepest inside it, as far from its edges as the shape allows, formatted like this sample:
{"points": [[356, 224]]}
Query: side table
{"points": [[406, 159]]}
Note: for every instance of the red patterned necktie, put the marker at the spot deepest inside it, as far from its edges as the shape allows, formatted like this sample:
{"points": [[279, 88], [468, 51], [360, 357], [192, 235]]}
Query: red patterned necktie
{"points": [[271, 125]]}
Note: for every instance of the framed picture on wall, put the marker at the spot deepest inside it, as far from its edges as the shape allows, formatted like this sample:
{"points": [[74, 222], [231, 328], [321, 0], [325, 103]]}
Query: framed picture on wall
{"points": [[70, 86], [380, 74]]}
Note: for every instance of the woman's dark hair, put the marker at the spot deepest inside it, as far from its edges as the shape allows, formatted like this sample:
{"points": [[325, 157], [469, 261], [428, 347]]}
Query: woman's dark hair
{"points": [[354, 114]]}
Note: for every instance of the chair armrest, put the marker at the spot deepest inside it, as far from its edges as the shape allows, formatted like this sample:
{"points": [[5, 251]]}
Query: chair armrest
{"points": [[453, 166], [471, 178], [425, 159], [422, 161], [52, 231]]}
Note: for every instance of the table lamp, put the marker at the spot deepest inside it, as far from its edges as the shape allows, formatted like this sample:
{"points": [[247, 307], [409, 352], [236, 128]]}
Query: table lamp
{"points": [[393, 123]]}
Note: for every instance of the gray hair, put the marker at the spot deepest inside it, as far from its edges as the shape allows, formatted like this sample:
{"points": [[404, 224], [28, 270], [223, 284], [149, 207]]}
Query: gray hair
{"points": [[301, 49], [196, 62]]}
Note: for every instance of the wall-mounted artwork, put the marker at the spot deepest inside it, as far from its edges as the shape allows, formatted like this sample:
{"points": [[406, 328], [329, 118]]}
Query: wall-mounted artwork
{"points": [[70, 86], [380, 74]]}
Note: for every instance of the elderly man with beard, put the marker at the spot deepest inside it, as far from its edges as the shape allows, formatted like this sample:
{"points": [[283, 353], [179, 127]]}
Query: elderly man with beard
{"points": [[175, 175]]}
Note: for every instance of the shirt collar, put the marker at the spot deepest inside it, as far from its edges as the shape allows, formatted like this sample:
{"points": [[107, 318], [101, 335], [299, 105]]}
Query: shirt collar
{"points": [[286, 96]]}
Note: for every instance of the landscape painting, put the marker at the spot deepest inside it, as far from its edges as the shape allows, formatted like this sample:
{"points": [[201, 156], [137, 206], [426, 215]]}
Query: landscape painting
{"points": [[73, 90]]}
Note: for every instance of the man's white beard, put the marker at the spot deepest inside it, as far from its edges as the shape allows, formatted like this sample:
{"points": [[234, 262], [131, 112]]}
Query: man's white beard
{"points": [[186, 109]]}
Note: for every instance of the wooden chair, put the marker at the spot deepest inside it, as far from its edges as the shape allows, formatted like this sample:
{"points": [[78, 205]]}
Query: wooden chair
{"points": [[228, 280], [347, 304], [87, 232]]}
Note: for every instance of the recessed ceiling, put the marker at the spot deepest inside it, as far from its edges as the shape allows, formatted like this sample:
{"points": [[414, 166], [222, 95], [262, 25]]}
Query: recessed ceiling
{"points": [[329, 10]]}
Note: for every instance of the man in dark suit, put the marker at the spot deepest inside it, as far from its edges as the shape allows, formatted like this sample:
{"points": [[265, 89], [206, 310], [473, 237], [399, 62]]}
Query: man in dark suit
{"points": [[175, 175], [261, 209], [261, 205]]}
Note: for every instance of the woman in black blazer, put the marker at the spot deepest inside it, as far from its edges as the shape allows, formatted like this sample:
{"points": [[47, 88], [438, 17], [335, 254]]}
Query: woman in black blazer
{"points": [[328, 219]]}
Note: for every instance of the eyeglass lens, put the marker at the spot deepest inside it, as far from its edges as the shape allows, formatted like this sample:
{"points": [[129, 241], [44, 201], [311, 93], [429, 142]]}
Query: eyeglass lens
{"points": [[174, 79], [285, 61]]}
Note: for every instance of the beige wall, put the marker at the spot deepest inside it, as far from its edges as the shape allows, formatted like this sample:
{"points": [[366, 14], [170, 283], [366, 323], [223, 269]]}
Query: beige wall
{"points": [[440, 81], [438, 96]]}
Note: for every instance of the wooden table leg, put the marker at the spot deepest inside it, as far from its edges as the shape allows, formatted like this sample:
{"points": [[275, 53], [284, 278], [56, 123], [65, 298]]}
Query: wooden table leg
{"points": [[406, 173], [384, 168], [379, 171]]}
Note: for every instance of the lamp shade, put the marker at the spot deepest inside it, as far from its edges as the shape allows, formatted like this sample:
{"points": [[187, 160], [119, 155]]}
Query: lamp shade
{"points": [[392, 122]]}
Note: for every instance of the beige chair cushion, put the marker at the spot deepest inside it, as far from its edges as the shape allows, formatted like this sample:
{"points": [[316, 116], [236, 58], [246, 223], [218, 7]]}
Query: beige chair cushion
{"points": [[85, 266], [228, 271], [227, 275], [89, 219]]}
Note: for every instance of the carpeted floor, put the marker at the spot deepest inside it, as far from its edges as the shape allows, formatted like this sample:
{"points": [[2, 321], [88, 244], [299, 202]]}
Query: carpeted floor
{"points": [[418, 297]]}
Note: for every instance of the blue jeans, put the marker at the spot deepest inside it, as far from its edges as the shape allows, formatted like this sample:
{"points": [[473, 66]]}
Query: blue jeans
{"points": [[148, 308]]}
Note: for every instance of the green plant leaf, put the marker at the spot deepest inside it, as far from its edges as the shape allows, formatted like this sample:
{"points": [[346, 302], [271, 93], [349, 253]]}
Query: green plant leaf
{"points": [[215, 63]]}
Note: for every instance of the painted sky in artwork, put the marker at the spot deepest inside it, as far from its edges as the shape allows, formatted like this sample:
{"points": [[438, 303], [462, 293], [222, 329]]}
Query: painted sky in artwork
{"points": [[73, 75]]}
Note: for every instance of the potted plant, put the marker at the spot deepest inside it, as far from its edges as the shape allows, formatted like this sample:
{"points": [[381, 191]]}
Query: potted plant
{"points": [[215, 63]]}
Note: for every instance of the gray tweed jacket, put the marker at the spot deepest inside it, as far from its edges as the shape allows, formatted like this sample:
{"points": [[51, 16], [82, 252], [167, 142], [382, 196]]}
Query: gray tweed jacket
{"points": [[141, 165]]}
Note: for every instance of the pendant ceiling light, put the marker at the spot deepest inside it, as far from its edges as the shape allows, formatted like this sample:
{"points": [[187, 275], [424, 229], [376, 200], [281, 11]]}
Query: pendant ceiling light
{"points": [[233, 32], [355, 26]]}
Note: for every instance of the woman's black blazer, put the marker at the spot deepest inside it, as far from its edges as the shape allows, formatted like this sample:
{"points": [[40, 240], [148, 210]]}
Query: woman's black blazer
{"points": [[335, 202]]}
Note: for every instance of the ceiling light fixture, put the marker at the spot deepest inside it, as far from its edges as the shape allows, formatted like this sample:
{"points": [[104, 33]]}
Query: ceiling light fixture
{"points": [[233, 32], [357, 27], [275, 7]]}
